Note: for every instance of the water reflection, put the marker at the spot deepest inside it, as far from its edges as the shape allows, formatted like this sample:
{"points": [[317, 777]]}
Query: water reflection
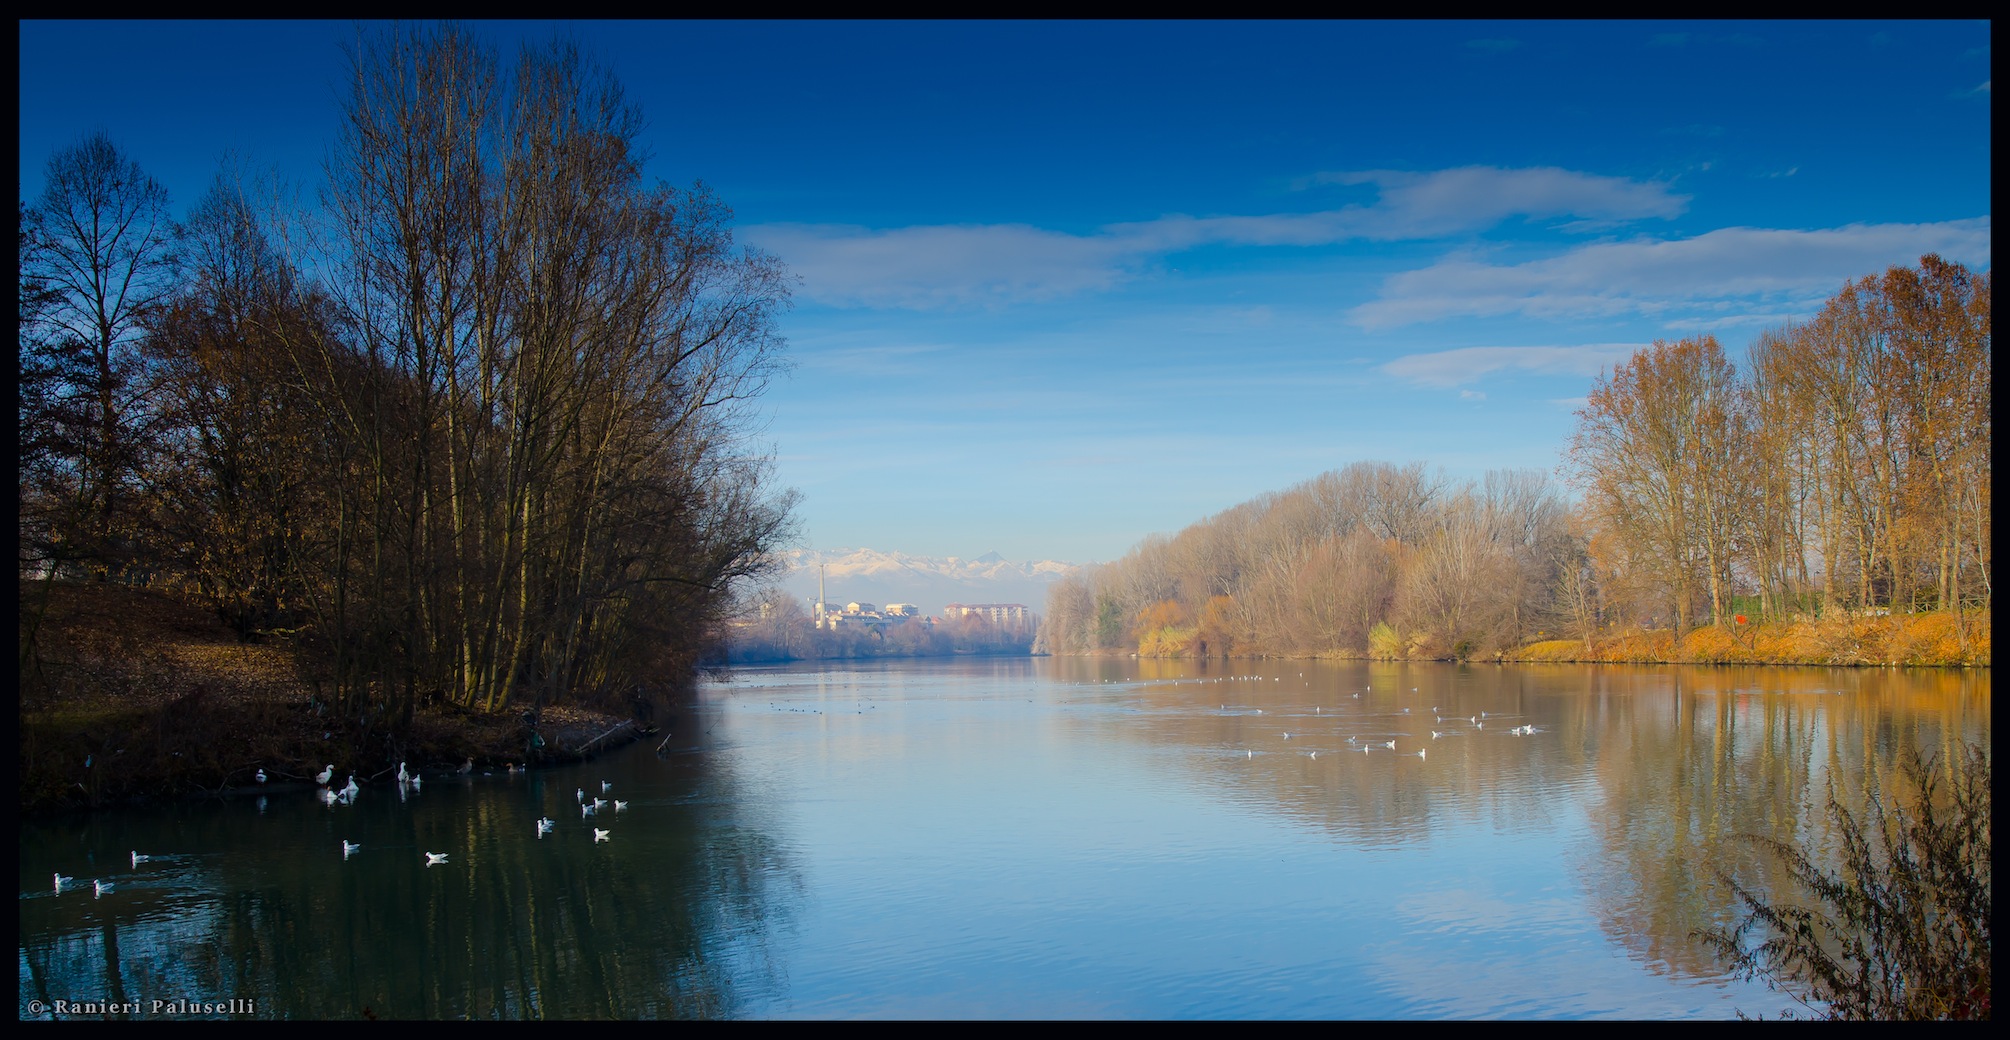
{"points": [[667, 919], [1008, 838]]}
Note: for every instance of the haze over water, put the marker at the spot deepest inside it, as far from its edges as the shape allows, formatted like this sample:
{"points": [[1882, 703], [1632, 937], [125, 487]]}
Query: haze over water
{"points": [[1012, 838]]}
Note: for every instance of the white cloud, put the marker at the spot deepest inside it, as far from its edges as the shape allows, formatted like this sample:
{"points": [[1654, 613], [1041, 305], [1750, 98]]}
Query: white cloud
{"points": [[1471, 395], [1449, 368], [1718, 270], [964, 265], [945, 265]]}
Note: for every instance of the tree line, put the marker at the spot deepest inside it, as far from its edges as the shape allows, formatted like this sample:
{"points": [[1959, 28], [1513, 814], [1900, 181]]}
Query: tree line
{"points": [[1846, 470], [474, 429]]}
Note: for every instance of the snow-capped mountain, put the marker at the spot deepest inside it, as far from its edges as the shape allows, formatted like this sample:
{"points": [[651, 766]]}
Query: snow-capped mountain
{"points": [[928, 582]]}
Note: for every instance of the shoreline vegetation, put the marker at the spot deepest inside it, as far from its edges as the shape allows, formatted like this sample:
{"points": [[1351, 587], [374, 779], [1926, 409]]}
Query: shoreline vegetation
{"points": [[457, 466], [1826, 503]]}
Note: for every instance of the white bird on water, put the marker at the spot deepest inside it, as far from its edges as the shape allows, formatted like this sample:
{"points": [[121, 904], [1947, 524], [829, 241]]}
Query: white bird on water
{"points": [[63, 882], [324, 776], [415, 781], [348, 847], [261, 774], [435, 858], [101, 887], [605, 787], [587, 810], [327, 797], [139, 859], [403, 777], [352, 790], [580, 794], [544, 827], [620, 805], [599, 835], [1391, 745]]}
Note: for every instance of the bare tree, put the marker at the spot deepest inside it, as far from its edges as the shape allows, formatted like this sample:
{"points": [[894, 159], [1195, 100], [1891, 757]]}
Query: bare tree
{"points": [[102, 252]]}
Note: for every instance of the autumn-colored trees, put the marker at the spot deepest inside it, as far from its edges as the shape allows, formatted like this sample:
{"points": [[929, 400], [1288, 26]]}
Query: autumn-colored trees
{"points": [[1315, 569], [479, 439], [1847, 470]]}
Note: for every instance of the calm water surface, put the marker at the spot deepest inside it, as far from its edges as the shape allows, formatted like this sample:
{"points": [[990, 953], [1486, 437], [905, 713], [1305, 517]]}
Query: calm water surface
{"points": [[1007, 838]]}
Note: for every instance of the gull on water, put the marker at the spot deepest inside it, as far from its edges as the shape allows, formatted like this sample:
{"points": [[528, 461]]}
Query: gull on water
{"points": [[620, 805], [434, 858], [101, 887], [544, 827], [348, 847], [1391, 745], [261, 774], [599, 835], [605, 787], [587, 810], [63, 882], [139, 859]]}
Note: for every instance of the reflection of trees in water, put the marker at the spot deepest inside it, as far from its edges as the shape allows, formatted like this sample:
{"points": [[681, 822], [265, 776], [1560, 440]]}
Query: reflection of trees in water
{"points": [[1738, 751], [671, 923]]}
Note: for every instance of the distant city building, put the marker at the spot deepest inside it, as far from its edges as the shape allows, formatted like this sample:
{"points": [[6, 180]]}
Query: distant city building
{"points": [[998, 613], [902, 610]]}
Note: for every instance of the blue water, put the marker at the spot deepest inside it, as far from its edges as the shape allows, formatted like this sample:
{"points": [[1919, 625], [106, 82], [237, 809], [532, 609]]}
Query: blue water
{"points": [[1014, 838]]}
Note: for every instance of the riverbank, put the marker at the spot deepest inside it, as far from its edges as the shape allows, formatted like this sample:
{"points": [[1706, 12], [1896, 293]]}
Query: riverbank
{"points": [[1928, 640], [1935, 639], [132, 695]]}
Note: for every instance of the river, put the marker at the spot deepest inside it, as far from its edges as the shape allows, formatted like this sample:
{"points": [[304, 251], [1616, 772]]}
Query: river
{"points": [[1016, 838]]}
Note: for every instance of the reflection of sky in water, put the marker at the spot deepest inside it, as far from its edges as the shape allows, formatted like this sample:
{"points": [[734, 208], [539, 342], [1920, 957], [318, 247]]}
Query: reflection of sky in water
{"points": [[999, 838]]}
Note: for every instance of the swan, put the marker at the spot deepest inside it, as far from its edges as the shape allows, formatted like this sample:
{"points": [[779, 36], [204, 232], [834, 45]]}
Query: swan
{"points": [[101, 887], [599, 835], [434, 858], [324, 776]]}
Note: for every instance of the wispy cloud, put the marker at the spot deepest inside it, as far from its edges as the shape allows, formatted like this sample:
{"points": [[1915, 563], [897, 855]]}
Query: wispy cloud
{"points": [[1721, 270], [1472, 395], [944, 265], [1449, 368], [941, 266], [1776, 174]]}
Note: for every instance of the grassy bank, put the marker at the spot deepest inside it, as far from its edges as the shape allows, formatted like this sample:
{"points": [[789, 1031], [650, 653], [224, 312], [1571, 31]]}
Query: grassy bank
{"points": [[132, 695], [1922, 640]]}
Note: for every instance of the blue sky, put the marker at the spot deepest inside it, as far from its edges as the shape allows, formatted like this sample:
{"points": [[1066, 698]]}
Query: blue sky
{"points": [[1064, 285]]}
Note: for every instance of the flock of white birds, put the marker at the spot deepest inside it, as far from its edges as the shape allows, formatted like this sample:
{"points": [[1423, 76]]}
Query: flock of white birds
{"points": [[407, 782]]}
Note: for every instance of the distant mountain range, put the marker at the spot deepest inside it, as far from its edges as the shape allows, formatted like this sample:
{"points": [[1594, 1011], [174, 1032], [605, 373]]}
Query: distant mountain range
{"points": [[928, 582]]}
